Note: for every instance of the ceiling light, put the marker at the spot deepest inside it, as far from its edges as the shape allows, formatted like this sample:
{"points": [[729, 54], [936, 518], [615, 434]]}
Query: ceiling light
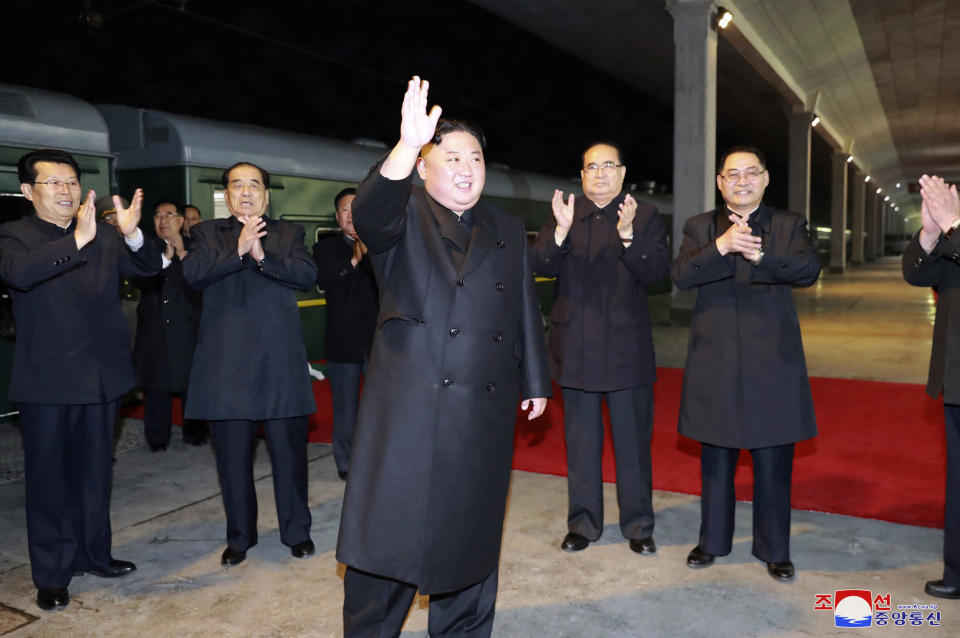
{"points": [[887, 198], [723, 19], [898, 185], [815, 121], [849, 158], [879, 190], [867, 178]]}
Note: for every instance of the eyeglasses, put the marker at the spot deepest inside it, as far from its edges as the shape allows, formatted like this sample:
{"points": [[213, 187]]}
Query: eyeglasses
{"points": [[167, 215], [751, 175], [57, 183], [110, 216], [593, 167]]}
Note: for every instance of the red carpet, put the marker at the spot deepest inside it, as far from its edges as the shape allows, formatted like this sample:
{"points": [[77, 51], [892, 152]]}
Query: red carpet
{"points": [[880, 453]]}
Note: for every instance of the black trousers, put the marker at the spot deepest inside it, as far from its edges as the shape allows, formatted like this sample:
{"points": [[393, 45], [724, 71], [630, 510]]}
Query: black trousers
{"points": [[772, 475], [234, 443], [376, 607], [345, 388], [951, 519], [158, 417], [631, 422], [67, 452]]}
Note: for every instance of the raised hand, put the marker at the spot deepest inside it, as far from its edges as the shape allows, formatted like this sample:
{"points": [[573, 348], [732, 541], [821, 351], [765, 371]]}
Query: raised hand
{"points": [[563, 213], [175, 245], [249, 240], [929, 230], [359, 250], [941, 201], [416, 126], [626, 213], [86, 228], [128, 218]]}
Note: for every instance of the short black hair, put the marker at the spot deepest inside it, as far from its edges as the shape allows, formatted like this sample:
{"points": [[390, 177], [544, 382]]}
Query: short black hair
{"points": [[194, 207], [612, 145], [742, 148], [177, 206], [341, 195], [445, 126], [26, 166], [264, 175]]}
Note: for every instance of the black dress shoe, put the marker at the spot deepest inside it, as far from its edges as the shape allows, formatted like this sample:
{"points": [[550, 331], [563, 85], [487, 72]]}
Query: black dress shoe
{"points": [[699, 558], [233, 556], [938, 589], [781, 571], [158, 447], [574, 542], [643, 545], [115, 569], [304, 549], [342, 475], [53, 599]]}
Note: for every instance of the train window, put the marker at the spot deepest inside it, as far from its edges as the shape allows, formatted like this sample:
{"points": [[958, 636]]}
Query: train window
{"points": [[220, 209]]}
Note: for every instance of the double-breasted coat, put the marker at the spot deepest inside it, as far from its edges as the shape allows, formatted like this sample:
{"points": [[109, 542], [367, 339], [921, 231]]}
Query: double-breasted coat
{"points": [[745, 383], [941, 271], [73, 344], [250, 362], [168, 317], [453, 354], [600, 337]]}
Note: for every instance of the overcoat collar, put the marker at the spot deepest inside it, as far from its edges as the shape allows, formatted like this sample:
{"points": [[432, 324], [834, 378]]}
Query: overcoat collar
{"points": [[588, 208], [482, 238]]}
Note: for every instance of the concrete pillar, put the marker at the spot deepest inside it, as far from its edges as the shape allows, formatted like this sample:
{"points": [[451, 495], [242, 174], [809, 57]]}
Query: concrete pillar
{"points": [[838, 212], [859, 218], [871, 226], [884, 224], [694, 124], [798, 187]]}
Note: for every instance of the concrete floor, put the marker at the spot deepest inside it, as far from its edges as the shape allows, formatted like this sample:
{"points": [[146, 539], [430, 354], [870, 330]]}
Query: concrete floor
{"points": [[168, 518]]}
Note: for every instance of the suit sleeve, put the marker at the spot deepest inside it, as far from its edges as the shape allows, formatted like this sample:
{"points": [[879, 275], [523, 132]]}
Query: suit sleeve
{"points": [[699, 261], [144, 262], [207, 262], [648, 256], [545, 256], [379, 210], [292, 266], [22, 268], [535, 374], [922, 269], [796, 264]]}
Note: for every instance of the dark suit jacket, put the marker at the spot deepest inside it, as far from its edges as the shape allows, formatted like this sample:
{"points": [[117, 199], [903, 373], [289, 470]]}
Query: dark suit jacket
{"points": [[73, 344], [453, 355], [250, 362], [600, 336], [168, 316], [351, 295], [940, 270], [745, 384]]}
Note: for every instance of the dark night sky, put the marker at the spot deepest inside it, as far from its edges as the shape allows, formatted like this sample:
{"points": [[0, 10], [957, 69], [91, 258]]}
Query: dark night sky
{"points": [[338, 69]]}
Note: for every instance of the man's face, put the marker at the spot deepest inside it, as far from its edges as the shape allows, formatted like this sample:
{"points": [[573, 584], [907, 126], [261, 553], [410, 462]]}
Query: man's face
{"points": [[345, 215], [246, 194], [453, 171], [742, 181], [167, 221], [191, 217], [57, 203], [601, 174]]}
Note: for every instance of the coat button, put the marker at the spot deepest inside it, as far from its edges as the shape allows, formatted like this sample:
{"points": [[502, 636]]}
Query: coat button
{"points": [[460, 282], [447, 383], [166, 301], [598, 216], [491, 387], [497, 337], [454, 332], [696, 266], [783, 266], [500, 244], [499, 286], [166, 321]]}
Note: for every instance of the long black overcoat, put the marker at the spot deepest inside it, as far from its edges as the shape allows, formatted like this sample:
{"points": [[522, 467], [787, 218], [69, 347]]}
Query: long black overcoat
{"points": [[250, 362], [941, 271], [73, 343], [600, 337], [352, 301], [168, 317], [745, 383], [453, 354]]}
